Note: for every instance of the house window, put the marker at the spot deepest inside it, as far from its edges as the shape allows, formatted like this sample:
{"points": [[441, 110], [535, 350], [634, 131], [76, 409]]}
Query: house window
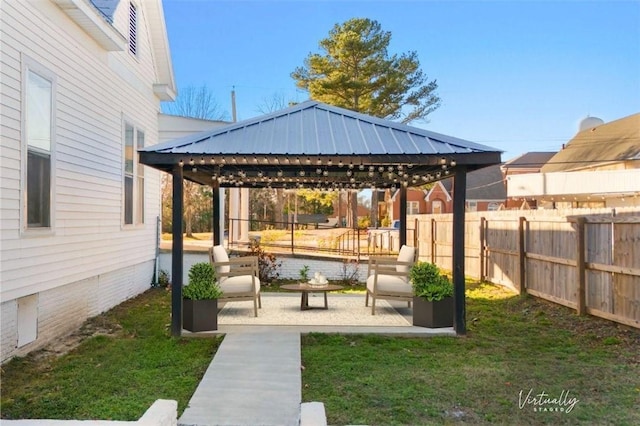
{"points": [[140, 180], [38, 123], [472, 206], [133, 29], [436, 207], [413, 207], [133, 176]]}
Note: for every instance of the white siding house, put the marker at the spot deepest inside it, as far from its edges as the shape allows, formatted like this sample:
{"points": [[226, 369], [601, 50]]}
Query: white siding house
{"points": [[80, 88], [599, 167]]}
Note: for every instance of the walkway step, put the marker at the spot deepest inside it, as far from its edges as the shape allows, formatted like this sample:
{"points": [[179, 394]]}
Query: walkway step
{"points": [[312, 414], [254, 379]]}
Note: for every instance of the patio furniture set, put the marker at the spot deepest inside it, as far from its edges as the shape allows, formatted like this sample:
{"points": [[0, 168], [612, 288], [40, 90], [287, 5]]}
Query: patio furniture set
{"points": [[388, 278]]}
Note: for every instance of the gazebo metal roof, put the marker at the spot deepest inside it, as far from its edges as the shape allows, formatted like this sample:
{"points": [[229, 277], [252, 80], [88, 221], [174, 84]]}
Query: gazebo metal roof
{"points": [[313, 145], [317, 145]]}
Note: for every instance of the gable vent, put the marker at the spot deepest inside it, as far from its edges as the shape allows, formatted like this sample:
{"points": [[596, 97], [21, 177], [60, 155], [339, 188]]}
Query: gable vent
{"points": [[133, 28]]}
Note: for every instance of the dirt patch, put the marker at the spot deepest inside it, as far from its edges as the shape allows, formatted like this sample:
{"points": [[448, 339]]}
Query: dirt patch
{"points": [[63, 345]]}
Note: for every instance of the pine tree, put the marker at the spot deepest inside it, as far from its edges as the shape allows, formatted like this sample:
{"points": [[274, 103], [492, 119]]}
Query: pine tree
{"points": [[356, 72]]}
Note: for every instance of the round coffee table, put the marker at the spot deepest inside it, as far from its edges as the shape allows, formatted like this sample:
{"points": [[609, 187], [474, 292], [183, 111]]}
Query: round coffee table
{"points": [[305, 289]]}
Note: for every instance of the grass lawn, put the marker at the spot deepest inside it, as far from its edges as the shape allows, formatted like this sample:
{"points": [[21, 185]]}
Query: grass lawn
{"points": [[513, 344], [129, 361]]}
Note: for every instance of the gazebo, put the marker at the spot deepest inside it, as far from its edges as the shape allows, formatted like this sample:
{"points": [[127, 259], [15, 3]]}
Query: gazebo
{"points": [[314, 145]]}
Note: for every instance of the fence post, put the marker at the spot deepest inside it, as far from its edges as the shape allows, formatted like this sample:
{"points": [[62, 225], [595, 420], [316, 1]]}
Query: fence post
{"points": [[483, 224], [433, 241], [580, 264], [522, 286]]}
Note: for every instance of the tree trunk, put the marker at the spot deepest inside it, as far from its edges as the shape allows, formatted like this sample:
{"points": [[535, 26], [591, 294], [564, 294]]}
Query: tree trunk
{"points": [[188, 222], [374, 208], [354, 206], [279, 207]]}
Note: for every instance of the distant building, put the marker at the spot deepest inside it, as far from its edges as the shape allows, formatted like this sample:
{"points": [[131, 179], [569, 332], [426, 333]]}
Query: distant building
{"points": [[485, 191], [599, 167], [530, 162]]}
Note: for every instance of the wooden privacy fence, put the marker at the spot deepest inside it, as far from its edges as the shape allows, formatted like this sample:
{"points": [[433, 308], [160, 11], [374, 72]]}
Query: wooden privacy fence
{"points": [[586, 259]]}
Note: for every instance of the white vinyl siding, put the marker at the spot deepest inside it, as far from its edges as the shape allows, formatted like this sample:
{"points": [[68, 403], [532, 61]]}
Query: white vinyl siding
{"points": [[93, 90]]}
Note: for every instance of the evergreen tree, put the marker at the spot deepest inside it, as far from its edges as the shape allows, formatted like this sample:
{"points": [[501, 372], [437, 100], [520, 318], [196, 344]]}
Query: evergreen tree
{"points": [[356, 72]]}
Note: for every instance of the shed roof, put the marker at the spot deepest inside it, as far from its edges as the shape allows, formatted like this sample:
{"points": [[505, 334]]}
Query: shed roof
{"points": [[484, 184], [611, 142], [316, 140], [529, 160]]}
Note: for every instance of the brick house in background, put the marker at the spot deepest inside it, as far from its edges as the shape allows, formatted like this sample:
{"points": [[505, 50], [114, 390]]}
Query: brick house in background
{"points": [[485, 191]]}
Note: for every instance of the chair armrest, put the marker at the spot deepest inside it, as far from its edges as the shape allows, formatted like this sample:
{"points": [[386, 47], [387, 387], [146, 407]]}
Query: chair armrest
{"points": [[244, 265], [389, 267], [373, 260]]}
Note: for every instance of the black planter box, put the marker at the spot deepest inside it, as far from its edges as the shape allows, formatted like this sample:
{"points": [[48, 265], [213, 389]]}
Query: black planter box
{"points": [[433, 314], [200, 315]]}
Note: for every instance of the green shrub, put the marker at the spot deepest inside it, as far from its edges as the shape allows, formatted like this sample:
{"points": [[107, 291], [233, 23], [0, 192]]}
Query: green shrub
{"points": [[163, 278], [428, 282], [202, 283]]}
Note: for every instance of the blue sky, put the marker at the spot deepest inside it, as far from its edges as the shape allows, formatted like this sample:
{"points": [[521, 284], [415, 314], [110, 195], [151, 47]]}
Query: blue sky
{"points": [[514, 75]]}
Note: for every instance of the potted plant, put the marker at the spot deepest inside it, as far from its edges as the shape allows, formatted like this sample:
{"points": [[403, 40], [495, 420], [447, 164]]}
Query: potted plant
{"points": [[200, 299], [433, 296]]}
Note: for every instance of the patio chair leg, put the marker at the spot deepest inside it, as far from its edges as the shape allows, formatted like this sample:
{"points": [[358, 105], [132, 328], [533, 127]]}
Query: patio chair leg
{"points": [[255, 306], [373, 305], [259, 301], [366, 299]]}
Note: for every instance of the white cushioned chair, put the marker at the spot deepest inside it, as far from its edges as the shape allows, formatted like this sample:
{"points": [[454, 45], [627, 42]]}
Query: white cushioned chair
{"points": [[237, 277], [388, 278]]}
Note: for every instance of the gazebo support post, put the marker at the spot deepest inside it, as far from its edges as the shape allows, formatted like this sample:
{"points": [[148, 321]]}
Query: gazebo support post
{"points": [[215, 208], [403, 215], [176, 253], [459, 303]]}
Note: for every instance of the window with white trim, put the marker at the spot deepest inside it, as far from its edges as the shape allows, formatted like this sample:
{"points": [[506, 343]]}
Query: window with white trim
{"points": [[472, 206], [413, 207], [140, 180], [38, 125], [133, 176], [133, 29]]}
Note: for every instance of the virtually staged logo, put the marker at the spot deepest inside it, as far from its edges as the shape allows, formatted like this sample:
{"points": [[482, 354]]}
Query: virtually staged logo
{"points": [[542, 402]]}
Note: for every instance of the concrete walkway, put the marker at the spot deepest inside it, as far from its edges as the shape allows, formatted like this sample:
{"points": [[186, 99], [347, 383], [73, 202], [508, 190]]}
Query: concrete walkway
{"points": [[254, 379]]}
